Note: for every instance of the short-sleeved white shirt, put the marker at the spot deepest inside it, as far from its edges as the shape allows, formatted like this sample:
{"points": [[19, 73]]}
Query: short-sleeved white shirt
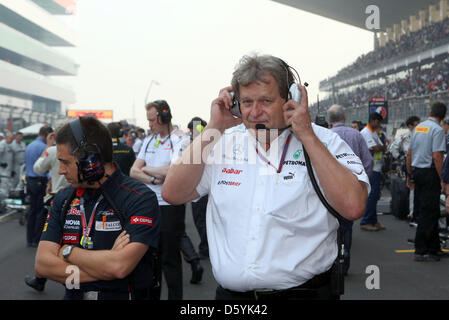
{"points": [[372, 139], [50, 162], [267, 230], [159, 154]]}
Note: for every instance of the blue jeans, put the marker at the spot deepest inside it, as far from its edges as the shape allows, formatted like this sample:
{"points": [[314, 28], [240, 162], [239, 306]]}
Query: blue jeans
{"points": [[370, 216]]}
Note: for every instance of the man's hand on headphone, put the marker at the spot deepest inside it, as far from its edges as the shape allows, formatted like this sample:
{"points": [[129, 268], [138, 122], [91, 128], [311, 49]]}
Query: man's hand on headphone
{"points": [[297, 114], [220, 117]]}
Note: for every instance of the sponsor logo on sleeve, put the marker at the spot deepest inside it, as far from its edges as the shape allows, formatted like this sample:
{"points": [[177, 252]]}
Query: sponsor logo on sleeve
{"points": [[422, 129], [354, 162], [344, 155], [142, 220]]}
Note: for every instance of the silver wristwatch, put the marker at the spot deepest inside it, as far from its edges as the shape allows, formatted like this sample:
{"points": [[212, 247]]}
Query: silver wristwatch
{"points": [[66, 252]]}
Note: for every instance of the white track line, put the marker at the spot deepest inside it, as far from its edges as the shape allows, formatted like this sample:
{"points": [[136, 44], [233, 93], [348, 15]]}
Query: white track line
{"points": [[6, 215]]}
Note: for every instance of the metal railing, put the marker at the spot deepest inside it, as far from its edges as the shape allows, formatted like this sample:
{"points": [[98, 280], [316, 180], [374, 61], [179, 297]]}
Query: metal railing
{"points": [[398, 110], [29, 116]]}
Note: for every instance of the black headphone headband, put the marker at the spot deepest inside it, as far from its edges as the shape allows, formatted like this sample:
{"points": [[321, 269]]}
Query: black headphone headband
{"points": [[78, 132], [289, 71], [163, 111], [90, 166], [235, 109]]}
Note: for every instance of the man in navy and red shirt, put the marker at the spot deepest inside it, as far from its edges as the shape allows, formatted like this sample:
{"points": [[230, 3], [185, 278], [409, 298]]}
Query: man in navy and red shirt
{"points": [[105, 226]]}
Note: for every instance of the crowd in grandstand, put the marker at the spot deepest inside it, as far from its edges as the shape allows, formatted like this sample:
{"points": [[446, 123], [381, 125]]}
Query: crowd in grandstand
{"points": [[419, 81], [425, 38]]}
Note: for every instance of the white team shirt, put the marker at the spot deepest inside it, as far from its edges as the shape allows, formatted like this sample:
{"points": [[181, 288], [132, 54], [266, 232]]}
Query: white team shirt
{"points": [[159, 154], [137, 145], [265, 230], [372, 139], [50, 162]]}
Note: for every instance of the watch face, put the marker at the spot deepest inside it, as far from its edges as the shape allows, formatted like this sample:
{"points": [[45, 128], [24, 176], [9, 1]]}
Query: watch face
{"points": [[66, 251]]}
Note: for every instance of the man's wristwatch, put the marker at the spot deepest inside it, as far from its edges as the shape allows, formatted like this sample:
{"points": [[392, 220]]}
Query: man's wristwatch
{"points": [[152, 180], [66, 252]]}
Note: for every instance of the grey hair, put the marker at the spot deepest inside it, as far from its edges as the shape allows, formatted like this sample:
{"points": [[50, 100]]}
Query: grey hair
{"points": [[336, 113], [251, 69]]}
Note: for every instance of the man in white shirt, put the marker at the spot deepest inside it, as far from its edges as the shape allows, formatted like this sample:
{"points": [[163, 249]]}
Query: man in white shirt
{"points": [[151, 167], [376, 147], [269, 234], [137, 143]]}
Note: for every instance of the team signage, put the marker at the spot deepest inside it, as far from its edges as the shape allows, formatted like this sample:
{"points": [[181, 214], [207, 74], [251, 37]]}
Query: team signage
{"points": [[379, 105], [99, 114]]}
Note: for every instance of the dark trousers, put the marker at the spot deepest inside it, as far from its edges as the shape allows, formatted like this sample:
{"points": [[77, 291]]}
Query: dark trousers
{"points": [[370, 216], [172, 229], [427, 185], [37, 213], [324, 292], [187, 249], [415, 205], [199, 218]]}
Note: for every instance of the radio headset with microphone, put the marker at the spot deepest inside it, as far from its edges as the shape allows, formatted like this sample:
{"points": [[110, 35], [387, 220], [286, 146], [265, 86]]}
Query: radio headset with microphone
{"points": [[293, 94], [90, 165], [164, 111]]}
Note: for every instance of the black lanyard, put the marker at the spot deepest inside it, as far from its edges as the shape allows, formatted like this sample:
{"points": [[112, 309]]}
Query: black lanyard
{"points": [[159, 141]]}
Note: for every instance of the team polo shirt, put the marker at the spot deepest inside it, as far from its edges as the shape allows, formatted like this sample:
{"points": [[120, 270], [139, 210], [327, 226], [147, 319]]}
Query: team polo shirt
{"points": [[269, 230], [372, 139], [158, 152], [142, 222], [427, 138]]}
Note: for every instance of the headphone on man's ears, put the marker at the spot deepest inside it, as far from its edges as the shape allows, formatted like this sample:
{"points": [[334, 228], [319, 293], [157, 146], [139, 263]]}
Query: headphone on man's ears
{"points": [[164, 111], [90, 165], [292, 88]]}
